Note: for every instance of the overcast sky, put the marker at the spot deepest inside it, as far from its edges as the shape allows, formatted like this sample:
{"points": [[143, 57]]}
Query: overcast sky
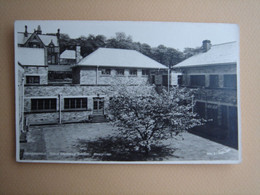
{"points": [[171, 34]]}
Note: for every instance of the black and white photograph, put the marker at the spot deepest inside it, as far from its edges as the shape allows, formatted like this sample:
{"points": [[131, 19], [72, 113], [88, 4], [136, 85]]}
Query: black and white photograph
{"points": [[127, 92]]}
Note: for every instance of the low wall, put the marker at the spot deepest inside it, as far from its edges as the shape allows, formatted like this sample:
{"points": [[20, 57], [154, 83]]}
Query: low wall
{"points": [[54, 117]]}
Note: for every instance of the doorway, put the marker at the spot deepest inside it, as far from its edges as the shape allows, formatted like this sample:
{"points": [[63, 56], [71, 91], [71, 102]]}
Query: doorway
{"points": [[98, 106]]}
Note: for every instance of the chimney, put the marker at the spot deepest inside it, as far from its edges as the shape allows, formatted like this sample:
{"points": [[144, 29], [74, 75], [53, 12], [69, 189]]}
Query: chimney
{"points": [[39, 31], [58, 33], [78, 56], [206, 45], [25, 31]]}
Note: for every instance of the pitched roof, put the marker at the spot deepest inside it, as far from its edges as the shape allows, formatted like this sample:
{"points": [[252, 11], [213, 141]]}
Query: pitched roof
{"points": [[225, 53], [59, 68], [68, 54], [108, 57], [46, 39], [30, 56]]}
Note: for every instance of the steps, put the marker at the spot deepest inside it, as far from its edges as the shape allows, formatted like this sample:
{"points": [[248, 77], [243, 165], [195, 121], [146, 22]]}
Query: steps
{"points": [[98, 119]]}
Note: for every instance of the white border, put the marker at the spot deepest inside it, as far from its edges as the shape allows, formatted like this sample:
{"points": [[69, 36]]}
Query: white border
{"points": [[124, 162]]}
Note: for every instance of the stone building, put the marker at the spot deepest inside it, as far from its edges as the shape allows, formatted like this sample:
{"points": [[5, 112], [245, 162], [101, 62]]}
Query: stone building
{"points": [[49, 97], [48, 42], [213, 72]]}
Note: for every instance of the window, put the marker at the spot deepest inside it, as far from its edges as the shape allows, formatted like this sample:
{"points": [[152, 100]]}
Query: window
{"points": [[197, 80], [180, 80], [106, 71], [133, 72], [212, 114], [230, 81], [120, 72], [75, 103], [213, 81], [145, 72], [200, 109], [43, 104], [33, 79]]}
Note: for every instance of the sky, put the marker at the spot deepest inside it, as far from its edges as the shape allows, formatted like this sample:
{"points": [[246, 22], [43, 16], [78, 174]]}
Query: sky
{"points": [[177, 35]]}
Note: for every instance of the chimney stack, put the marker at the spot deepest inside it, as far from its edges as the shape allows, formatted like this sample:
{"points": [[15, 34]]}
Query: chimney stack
{"points": [[206, 45], [58, 33], [39, 31], [78, 56], [25, 31]]}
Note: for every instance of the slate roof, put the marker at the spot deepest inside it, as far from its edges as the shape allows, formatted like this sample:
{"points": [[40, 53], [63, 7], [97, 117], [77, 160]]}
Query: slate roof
{"points": [[225, 53], [68, 54], [59, 68], [46, 39], [30, 56], [108, 57]]}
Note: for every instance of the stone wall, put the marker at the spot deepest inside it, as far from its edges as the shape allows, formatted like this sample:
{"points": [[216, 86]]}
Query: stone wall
{"points": [[41, 71], [20, 95], [93, 76], [219, 70], [54, 117]]}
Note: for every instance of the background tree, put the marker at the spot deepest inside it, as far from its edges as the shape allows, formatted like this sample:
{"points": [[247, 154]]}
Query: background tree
{"points": [[146, 117], [165, 55]]}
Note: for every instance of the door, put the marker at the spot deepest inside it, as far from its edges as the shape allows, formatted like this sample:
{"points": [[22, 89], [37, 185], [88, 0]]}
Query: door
{"points": [[98, 106]]}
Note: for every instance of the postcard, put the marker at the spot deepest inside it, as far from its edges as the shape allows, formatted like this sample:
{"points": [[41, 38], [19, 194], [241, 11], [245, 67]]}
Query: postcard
{"points": [[127, 92]]}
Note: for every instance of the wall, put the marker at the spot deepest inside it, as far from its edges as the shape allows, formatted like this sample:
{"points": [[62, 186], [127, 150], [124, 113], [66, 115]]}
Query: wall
{"points": [[41, 71], [90, 76]]}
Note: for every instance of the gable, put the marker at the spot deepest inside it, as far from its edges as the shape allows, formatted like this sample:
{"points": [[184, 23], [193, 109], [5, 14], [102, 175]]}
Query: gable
{"points": [[34, 41]]}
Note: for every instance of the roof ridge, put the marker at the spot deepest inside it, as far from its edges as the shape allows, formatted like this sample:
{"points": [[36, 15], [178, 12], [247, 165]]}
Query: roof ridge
{"points": [[224, 43]]}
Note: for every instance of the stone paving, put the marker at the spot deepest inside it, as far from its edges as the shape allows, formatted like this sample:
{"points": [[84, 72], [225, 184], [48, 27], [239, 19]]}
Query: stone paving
{"points": [[59, 142]]}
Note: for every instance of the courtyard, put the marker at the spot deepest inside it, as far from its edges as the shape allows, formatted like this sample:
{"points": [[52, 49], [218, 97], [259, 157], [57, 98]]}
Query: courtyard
{"points": [[100, 142]]}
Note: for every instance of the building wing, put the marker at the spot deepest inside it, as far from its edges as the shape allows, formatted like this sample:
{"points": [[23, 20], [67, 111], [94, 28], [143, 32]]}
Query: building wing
{"points": [[30, 56], [226, 53], [108, 57]]}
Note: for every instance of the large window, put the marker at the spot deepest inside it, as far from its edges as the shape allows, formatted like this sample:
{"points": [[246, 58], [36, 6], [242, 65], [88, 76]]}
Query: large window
{"points": [[213, 81], [32, 79], [133, 72], [43, 104], [197, 80], [75, 103], [230, 81], [106, 71]]}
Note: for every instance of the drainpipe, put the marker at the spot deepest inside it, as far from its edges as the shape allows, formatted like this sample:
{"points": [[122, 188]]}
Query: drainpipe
{"points": [[60, 108], [168, 79], [97, 76]]}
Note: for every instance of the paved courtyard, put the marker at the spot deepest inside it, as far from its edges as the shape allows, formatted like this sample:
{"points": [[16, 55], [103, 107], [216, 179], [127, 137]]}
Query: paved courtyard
{"points": [[61, 142]]}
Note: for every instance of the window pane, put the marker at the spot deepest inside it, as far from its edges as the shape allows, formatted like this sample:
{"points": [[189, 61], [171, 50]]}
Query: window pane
{"points": [[197, 80], [230, 81], [40, 104], [66, 103], [34, 104], [214, 81], [72, 103]]}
